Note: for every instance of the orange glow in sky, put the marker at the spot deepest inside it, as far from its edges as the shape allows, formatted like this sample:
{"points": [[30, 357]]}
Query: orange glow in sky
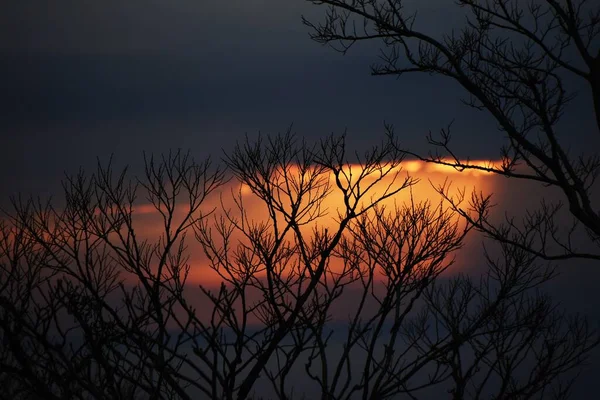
{"points": [[149, 222]]}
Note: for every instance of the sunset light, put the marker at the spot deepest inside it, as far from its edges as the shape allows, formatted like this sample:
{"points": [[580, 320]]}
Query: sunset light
{"points": [[427, 177]]}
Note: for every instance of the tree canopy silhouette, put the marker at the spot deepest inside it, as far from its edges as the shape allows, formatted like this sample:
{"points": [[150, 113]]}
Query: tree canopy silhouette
{"points": [[516, 61], [312, 301]]}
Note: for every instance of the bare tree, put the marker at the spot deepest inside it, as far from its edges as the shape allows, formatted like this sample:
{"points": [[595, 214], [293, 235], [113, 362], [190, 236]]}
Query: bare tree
{"points": [[516, 61], [348, 293], [87, 304]]}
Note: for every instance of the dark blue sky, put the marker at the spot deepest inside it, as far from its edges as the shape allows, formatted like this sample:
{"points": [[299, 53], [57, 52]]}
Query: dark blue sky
{"points": [[84, 79], [81, 79]]}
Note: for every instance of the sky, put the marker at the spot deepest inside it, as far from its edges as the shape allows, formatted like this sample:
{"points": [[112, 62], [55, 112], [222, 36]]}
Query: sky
{"points": [[83, 79]]}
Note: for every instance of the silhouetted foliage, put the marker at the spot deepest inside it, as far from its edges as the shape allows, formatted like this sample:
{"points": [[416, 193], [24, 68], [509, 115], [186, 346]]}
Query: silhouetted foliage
{"points": [[347, 295], [516, 61]]}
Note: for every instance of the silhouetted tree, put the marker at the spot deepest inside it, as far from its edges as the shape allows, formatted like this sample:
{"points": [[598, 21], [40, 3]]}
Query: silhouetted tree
{"points": [[95, 304], [516, 60]]}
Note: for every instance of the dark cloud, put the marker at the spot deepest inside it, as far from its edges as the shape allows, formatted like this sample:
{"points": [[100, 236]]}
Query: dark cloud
{"points": [[82, 79]]}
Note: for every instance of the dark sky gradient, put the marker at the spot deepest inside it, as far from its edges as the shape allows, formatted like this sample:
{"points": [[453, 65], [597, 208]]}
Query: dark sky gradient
{"points": [[81, 79], [85, 79]]}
